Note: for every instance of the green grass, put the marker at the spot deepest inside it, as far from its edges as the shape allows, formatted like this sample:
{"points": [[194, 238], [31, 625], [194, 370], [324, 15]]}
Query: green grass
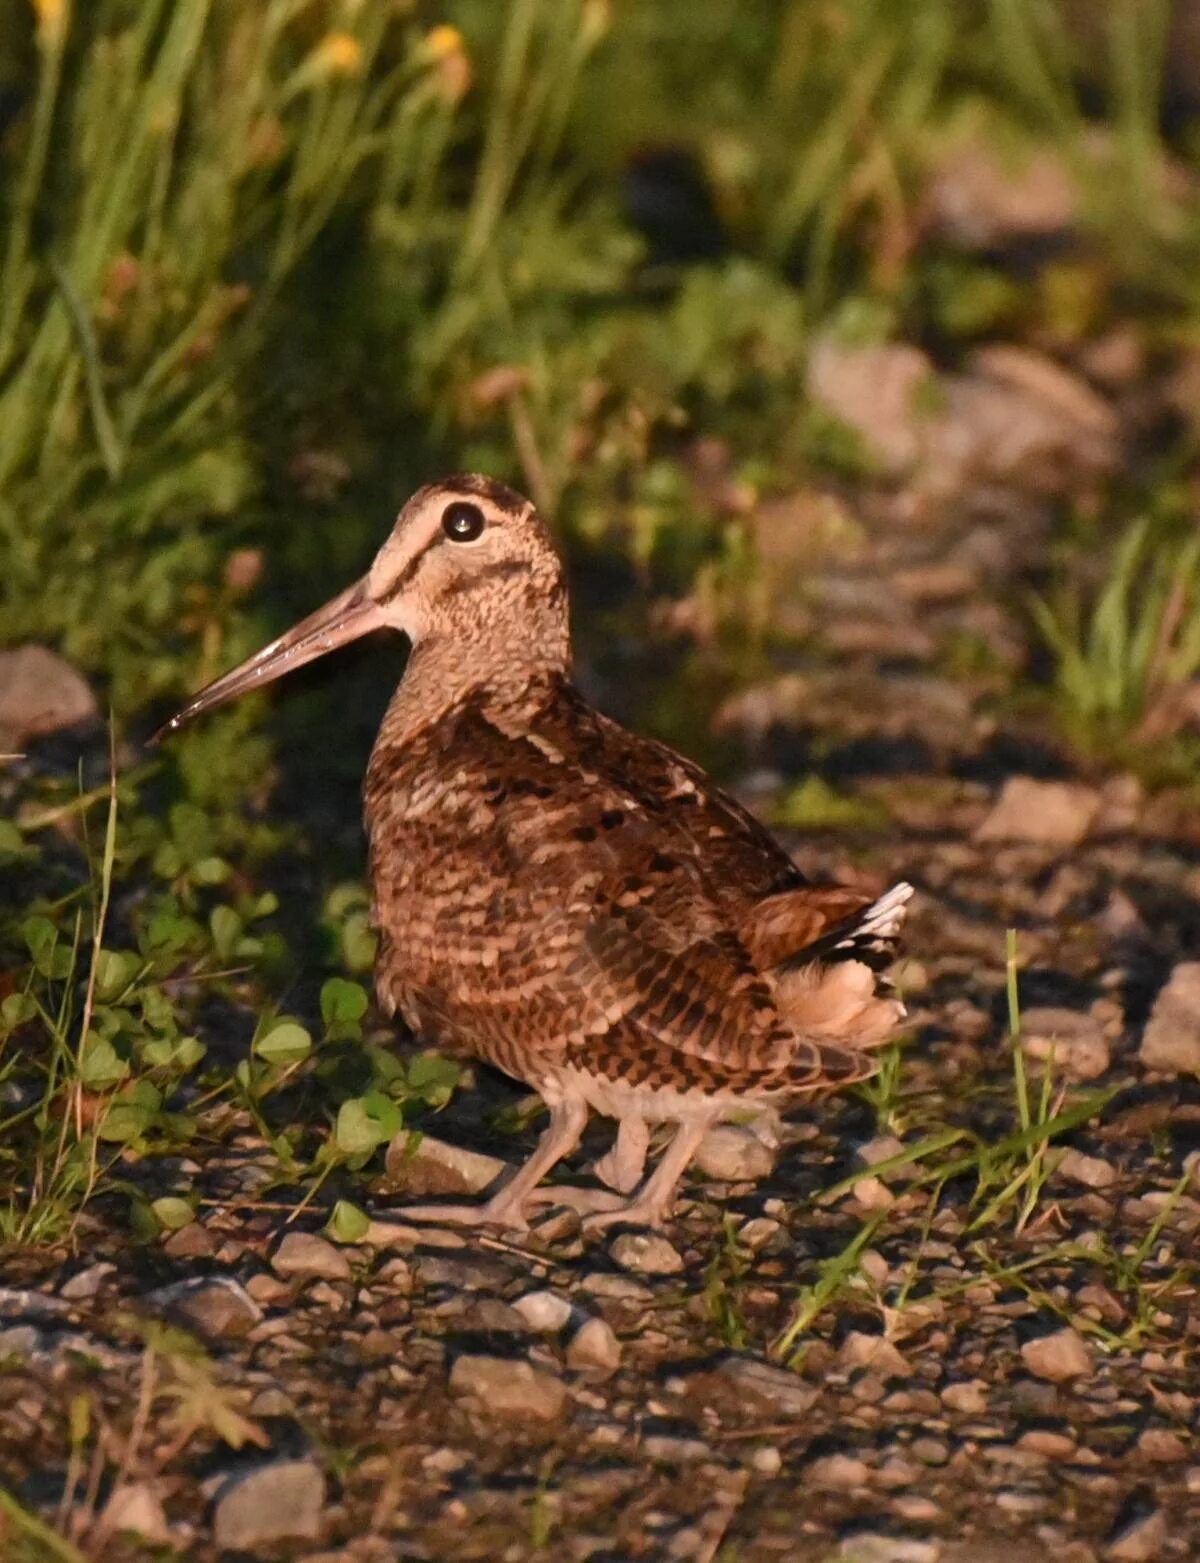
{"points": [[1127, 650]]}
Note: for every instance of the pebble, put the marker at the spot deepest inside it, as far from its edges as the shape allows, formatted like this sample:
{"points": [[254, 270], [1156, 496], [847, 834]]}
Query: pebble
{"points": [[969, 1399], [40, 694], [268, 1289], [767, 1460], [1171, 1041], [647, 1253], [1092, 1171], [282, 1498], [860, 1350], [545, 1312], [216, 1307], [193, 1241], [1048, 813], [668, 1449], [1140, 1541], [307, 1254], [429, 1166], [1074, 1040], [837, 1470], [508, 1387], [930, 1451], [86, 1283], [1161, 1445], [915, 1509], [594, 1348], [1055, 1446], [136, 1507], [869, 1547], [766, 1387], [733, 1153], [1057, 1357], [617, 1288]]}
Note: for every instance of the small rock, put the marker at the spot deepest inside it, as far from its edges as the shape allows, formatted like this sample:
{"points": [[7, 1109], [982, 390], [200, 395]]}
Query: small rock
{"points": [[873, 1194], [1044, 1441], [428, 1166], [869, 1547], [767, 1461], [1075, 1041], [648, 1253], [837, 1470], [283, 1498], [1048, 813], [40, 694], [594, 1348], [978, 200], [930, 1451], [545, 1312], [193, 1241], [968, 1399], [135, 1506], [508, 1387], [87, 1282], [1171, 1041], [732, 1153], [1057, 1357], [307, 1254], [917, 1510], [1140, 1541], [1162, 1446], [670, 1449], [216, 1307], [1091, 1171], [875, 390], [766, 1388], [860, 1350], [615, 1288], [268, 1289]]}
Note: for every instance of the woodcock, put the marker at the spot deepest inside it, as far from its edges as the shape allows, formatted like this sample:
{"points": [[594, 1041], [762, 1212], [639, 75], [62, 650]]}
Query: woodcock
{"points": [[575, 904]]}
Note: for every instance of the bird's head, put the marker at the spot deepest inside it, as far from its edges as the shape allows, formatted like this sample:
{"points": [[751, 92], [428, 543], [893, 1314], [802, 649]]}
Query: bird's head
{"points": [[469, 564]]}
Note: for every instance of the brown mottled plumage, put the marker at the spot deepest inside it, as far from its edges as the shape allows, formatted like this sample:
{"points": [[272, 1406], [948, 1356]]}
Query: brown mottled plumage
{"points": [[577, 905]]}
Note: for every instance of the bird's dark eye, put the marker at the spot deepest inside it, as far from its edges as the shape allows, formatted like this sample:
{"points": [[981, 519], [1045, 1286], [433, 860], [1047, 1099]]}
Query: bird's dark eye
{"points": [[462, 522]]}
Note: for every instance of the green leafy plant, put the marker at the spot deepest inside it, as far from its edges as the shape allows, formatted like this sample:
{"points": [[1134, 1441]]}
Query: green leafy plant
{"points": [[1126, 652]]}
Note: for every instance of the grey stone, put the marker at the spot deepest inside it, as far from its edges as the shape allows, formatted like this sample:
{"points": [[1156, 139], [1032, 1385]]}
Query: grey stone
{"points": [[508, 1387], [428, 1166], [647, 1253], [307, 1254], [1171, 1041], [1059, 1356], [86, 1283], [1049, 813], [733, 1153], [216, 1307], [594, 1348], [40, 694], [281, 1499]]}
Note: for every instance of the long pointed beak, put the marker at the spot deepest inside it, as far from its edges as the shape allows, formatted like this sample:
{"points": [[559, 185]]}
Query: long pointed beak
{"points": [[351, 614]]}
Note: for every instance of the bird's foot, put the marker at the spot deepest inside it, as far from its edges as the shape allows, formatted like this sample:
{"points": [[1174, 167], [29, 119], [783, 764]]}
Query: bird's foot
{"points": [[631, 1213], [585, 1200]]}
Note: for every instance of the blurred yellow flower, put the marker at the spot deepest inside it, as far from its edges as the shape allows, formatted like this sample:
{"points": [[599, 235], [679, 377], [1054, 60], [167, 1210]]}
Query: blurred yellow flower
{"points": [[444, 40], [51, 21], [337, 54], [595, 20]]}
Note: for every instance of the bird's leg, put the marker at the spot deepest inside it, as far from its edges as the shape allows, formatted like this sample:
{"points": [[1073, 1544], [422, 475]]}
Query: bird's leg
{"points": [[655, 1199], [622, 1166], [506, 1208]]}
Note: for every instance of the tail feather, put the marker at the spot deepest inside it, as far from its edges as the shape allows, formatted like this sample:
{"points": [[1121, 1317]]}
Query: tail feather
{"points": [[868, 936]]}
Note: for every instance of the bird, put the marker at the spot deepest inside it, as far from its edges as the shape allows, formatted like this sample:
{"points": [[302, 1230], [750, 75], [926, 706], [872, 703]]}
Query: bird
{"points": [[575, 904]]}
